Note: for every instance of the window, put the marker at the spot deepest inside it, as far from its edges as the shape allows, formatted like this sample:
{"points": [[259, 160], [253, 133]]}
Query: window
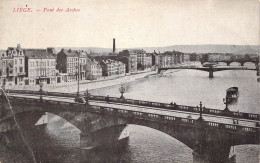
{"points": [[21, 61], [37, 64], [15, 70], [15, 61], [21, 69]]}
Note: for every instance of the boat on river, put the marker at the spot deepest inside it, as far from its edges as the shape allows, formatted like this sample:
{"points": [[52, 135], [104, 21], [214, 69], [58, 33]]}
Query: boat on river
{"points": [[232, 94], [209, 64]]}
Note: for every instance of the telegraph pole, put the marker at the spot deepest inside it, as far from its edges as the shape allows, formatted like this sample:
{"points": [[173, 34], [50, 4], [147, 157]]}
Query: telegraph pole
{"points": [[78, 75]]}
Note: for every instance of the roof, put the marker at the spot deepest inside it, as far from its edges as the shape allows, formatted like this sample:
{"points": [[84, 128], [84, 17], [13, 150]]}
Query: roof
{"points": [[90, 56], [138, 51], [232, 89], [38, 54], [73, 53]]}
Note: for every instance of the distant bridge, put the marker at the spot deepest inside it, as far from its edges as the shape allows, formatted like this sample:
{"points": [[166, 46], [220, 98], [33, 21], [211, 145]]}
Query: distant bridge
{"points": [[242, 61], [210, 69], [109, 116]]}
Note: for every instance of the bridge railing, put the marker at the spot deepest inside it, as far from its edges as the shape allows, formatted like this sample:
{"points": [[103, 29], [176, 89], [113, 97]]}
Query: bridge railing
{"points": [[172, 119], [137, 115], [250, 116], [179, 107]]}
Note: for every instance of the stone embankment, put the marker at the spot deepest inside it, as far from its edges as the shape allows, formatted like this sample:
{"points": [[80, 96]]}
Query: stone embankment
{"points": [[70, 87]]}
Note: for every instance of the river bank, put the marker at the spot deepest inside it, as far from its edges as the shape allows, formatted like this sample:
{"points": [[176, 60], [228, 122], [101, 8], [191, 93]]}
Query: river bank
{"points": [[84, 85]]}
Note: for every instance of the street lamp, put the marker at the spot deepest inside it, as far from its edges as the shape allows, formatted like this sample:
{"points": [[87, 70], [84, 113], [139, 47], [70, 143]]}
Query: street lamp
{"points": [[87, 94], [200, 118], [77, 74], [41, 85], [122, 91], [3, 85], [225, 100], [77, 77]]}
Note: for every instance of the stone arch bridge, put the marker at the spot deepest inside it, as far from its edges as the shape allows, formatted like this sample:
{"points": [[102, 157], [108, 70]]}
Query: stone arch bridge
{"points": [[242, 61], [210, 69], [211, 141]]}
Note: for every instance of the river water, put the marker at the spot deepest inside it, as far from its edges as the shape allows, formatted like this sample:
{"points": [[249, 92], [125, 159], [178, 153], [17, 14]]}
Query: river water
{"points": [[59, 142]]}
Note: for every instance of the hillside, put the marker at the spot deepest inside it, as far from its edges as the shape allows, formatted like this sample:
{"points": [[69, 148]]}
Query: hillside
{"points": [[238, 49]]}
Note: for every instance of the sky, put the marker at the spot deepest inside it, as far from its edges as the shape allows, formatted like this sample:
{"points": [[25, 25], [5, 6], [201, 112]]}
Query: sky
{"points": [[133, 23]]}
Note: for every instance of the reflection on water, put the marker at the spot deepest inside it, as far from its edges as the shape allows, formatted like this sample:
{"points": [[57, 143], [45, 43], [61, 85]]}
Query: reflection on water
{"points": [[189, 87], [59, 142]]}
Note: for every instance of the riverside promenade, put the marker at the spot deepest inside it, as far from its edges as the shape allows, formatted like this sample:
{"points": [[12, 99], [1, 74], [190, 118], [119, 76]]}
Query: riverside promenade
{"points": [[70, 87]]}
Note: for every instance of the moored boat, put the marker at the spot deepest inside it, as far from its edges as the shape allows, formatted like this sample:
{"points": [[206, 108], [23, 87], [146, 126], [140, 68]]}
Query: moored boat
{"points": [[232, 94]]}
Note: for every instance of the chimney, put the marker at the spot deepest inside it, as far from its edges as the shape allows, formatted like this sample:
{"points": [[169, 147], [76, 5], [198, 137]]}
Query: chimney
{"points": [[18, 47], [51, 50], [114, 45]]}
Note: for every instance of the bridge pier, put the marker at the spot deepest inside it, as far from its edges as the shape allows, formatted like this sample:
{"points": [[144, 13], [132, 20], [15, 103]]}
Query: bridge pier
{"points": [[257, 70], [213, 155], [211, 147], [102, 127], [107, 139], [211, 74]]}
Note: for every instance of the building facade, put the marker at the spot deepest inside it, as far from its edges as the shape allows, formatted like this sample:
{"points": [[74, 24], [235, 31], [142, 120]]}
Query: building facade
{"points": [[132, 63], [130, 60], [40, 67], [112, 67], [144, 60], [13, 66], [93, 69], [72, 63]]}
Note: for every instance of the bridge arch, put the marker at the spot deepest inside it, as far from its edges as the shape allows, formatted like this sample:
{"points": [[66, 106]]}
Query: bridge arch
{"points": [[92, 124], [92, 119], [235, 63], [250, 64], [222, 63]]}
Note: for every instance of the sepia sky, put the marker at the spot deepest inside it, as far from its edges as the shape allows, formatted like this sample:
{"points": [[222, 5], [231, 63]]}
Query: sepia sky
{"points": [[134, 23]]}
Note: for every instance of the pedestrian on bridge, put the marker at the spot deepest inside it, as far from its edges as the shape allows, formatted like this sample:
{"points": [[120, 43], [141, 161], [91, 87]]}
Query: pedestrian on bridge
{"points": [[238, 112], [235, 121], [107, 98]]}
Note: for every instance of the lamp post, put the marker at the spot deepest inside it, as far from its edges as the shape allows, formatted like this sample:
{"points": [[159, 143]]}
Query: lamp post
{"points": [[41, 85], [122, 91], [200, 118], [3, 85], [77, 75], [87, 94], [225, 100]]}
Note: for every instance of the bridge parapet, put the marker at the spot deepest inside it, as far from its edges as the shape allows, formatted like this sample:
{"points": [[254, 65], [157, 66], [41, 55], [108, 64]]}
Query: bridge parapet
{"points": [[186, 130], [174, 106], [136, 115], [172, 119], [179, 107]]}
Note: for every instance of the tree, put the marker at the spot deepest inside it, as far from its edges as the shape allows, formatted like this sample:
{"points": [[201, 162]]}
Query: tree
{"points": [[140, 66]]}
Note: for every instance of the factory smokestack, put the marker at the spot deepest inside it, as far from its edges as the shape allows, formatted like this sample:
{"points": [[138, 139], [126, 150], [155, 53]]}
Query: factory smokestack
{"points": [[114, 45]]}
